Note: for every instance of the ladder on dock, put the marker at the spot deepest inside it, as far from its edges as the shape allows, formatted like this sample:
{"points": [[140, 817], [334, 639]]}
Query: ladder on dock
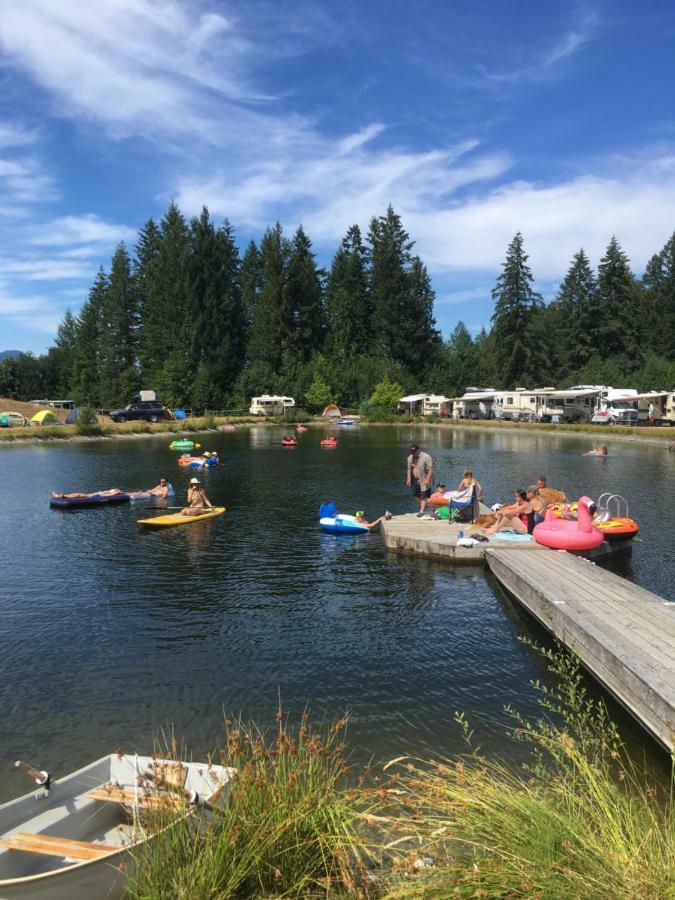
{"points": [[623, 634]]}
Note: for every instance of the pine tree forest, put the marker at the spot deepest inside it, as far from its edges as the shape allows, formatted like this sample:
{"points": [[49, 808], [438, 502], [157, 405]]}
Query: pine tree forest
{"points": [[183, 312]]}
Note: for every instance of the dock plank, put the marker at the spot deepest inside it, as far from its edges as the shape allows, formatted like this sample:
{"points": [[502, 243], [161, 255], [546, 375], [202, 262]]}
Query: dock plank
{"points": [[624, 634]]}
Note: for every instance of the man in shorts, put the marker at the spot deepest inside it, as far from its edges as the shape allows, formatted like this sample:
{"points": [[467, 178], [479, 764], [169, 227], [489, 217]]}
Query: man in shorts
{"points": [[419, 472]]}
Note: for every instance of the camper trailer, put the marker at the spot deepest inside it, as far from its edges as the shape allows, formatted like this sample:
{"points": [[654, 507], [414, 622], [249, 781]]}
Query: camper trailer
{"points": [[425, 405], [269, 405], [521, 404], [656, 408], [475, 403]]}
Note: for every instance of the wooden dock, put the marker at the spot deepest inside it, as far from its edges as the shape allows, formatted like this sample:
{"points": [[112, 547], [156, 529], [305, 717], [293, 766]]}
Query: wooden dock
{"points": [[437, 539], [622, 633]]}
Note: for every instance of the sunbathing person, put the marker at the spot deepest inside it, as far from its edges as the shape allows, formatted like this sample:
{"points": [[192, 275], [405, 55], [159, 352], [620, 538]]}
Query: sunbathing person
{"points": [[84, 495], [517, 516]]}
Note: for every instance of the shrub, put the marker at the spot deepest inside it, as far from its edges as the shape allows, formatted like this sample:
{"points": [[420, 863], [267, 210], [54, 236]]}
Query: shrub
{"points": [[86, 421]]}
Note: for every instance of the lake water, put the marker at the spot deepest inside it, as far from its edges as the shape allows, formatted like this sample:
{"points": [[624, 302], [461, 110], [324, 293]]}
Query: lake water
{"points": [[109, 633]]}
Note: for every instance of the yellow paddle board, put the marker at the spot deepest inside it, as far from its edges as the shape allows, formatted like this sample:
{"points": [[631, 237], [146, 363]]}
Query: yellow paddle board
{"points": [[173, 519]]}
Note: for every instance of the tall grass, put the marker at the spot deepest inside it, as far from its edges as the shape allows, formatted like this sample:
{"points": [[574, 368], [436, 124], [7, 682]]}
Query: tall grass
{"points": [[578, 820], [290, 827]]}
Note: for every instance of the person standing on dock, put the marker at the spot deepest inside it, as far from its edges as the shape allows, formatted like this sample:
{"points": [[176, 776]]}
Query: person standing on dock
{"points": [[419, 472]]}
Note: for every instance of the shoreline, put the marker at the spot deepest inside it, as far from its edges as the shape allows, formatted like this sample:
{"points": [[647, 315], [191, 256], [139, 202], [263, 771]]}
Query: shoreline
{"points": [[655, 435]]}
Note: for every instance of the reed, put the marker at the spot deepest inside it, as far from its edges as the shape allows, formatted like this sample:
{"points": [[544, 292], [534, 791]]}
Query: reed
{"points": [[578, 820], [291, 825]]}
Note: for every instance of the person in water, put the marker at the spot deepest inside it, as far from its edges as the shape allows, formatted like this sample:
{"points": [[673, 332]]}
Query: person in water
{"points": [[599, 451], [83, 495], [359, 515], [162, 490], [197, 500], [549, 495]]}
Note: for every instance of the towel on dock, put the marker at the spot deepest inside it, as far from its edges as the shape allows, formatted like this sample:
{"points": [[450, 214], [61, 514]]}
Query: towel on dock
{"points": [[510, 536]]}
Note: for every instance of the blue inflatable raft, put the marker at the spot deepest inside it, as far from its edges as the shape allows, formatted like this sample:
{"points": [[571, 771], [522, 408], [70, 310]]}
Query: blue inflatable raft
{"points": [[341, 524], [91, 500]]}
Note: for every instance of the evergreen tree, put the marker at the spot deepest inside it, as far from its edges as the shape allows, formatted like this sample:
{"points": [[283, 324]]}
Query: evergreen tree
{"points": [[302, 300], [577, 302], [87, 350], [390, 259], [349, 310], [516, 305], [166, 329], [659, 300], [618, 306], [318, 395], [251, 280], [215, 312], [145, 254], [59, 358], [118, 374], [424, 340], [269, 329]]}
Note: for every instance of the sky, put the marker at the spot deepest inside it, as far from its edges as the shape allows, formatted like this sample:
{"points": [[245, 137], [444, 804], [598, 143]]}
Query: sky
{"points": [[474, 119]]}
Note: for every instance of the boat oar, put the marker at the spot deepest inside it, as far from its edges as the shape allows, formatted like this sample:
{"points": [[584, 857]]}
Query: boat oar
{"points": [[162, 508], [41, 777]]}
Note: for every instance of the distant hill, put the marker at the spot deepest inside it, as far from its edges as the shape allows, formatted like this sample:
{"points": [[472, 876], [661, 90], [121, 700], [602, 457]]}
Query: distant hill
{"points": [[4, 354]]}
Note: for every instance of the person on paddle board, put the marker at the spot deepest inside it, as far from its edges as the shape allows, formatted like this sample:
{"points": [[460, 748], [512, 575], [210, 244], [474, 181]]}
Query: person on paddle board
{"points": [[197, 499]]}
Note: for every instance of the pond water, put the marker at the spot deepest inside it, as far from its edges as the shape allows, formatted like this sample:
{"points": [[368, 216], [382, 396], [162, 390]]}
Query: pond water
{"points": [[109, 634]]}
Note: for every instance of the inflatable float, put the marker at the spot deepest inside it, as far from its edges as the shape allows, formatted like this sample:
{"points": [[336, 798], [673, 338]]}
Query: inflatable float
{"points": [[173, 519], [96, 499], [342, 524], [623, 529], [183, 444], [289, 442], [198, 462], [329, 443], [565, 534]]}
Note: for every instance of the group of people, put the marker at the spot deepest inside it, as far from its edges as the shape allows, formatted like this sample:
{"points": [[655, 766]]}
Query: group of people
{"points": [[419, 477], [197, 501]]}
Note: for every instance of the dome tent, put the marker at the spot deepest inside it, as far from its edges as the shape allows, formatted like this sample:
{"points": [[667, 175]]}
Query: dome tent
{"points": [[45, 417], [71, 418], [332, 411]]}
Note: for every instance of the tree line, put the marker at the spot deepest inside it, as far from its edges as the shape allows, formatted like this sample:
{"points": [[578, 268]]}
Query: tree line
{"points": [[186, 313]]}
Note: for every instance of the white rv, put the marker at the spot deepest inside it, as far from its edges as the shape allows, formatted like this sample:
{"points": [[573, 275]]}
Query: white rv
{"points": [[475, 404], [425, 405], [521, 404], [661, 404], [595, 403], [269, 405]]}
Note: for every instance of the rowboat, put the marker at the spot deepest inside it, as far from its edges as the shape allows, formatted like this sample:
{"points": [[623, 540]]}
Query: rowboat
{"points": [[173, 519], [76, 840]]}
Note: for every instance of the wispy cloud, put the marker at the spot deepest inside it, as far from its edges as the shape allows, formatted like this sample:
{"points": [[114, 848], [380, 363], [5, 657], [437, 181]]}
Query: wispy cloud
{"points": [[88, 229]]}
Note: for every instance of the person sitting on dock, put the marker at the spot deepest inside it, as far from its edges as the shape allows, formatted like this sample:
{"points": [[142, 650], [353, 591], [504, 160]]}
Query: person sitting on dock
{"points": [[439, 493], [197, 499], [549, 495], [538, 504], [518, 516]]}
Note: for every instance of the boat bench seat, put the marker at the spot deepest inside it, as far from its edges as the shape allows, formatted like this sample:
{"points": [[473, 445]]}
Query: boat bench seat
{"points": [[129, 797], [57, 846]]}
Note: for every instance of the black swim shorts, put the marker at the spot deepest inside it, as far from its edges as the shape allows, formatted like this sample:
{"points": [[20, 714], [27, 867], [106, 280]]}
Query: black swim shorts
{"points": [[417, 491]]}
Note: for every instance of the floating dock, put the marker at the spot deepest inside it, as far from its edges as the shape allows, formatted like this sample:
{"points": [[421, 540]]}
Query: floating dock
{"points": [[623, 634], [437, 539]]}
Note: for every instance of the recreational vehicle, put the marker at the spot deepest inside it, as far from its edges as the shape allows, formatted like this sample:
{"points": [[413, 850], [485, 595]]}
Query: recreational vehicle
{"points": [[475, 404], [268, 405], [425, 405]]}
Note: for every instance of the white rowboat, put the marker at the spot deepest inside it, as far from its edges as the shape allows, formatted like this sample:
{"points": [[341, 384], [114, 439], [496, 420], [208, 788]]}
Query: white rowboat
{"points": [[76, 841]]}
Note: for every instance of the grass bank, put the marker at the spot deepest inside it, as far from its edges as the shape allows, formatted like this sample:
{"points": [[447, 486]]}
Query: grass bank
{"points": [[106, 428], [577, 819]]}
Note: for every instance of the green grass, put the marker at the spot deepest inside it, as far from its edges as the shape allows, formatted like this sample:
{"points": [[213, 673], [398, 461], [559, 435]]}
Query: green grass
{"points": [[291, 826]]}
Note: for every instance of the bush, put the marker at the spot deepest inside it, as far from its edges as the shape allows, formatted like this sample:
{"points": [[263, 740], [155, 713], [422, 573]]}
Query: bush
{"points": [[86, 421], [386, 395]]}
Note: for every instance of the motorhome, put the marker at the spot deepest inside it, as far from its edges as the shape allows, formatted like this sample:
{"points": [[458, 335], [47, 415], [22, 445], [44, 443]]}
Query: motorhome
{"points": [[425, 405], [595, 403], [270, 405], [475, 403]]}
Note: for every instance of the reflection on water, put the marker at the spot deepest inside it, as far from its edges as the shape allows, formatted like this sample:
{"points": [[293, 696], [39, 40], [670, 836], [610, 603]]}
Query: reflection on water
{"points": [[109, 632]]}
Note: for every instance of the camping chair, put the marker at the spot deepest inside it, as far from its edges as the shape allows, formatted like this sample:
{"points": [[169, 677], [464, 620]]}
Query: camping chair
{"points": [[469, 503]]}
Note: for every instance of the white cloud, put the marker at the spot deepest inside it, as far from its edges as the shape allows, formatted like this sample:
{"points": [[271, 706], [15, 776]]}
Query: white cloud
{"points": [[45, 269], [85, 229]]}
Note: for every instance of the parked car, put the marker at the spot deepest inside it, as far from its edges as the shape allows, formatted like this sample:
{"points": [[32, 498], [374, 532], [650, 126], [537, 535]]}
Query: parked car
{"points": [[148, 410]]}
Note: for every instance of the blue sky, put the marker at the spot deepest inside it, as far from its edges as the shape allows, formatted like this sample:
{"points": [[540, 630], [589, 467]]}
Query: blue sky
{"points": [[474, 119]]}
